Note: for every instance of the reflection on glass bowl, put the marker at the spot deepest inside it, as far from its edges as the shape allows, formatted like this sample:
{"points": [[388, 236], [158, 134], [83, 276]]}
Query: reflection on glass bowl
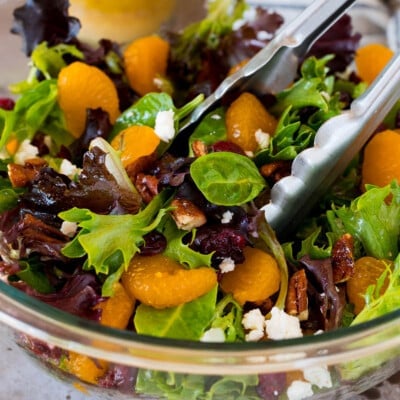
{"points": [[121, 362]]}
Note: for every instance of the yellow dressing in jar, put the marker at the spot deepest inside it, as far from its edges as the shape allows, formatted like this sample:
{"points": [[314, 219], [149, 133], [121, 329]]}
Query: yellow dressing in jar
{"points": [[121, 20]]}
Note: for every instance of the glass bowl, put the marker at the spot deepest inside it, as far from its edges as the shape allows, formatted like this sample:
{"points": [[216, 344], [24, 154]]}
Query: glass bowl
{"points": [[141, 367]]}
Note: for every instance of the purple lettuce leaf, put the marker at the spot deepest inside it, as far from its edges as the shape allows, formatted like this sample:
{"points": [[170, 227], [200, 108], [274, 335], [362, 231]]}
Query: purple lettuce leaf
{"points": [[44, 20]]}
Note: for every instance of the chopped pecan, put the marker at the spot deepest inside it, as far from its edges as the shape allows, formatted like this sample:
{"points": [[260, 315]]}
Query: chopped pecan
{"points": [[187, 215], [147, 186], [199, 148], [21, 175], [297, 299], [276, 170], [343, 258]]}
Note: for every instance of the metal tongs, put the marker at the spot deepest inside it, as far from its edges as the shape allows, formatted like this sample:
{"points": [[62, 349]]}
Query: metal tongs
{"points": [[338, 140], [274, 67]]}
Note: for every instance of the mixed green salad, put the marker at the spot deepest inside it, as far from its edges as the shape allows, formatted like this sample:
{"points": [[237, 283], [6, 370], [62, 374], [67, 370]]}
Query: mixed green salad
{"points": [[107, 213]]}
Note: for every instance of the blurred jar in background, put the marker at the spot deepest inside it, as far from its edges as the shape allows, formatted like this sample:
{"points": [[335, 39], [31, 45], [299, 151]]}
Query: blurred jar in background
{"points": [[121, 20]]}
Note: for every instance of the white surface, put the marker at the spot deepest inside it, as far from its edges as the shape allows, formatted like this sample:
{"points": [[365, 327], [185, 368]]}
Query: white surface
{"points": [[22, 379]]}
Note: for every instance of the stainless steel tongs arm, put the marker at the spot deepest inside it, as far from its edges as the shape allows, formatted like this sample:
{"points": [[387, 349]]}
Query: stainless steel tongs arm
{"points": [[274, 67], [337, 141]]}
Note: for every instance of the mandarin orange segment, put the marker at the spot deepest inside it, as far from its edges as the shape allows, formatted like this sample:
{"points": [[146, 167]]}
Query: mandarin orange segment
{"points": [[367, 270], [255, 280], [161, 282], [381, 162], [146, 60], [117, 310], [371, 59], [244, 117], [81, 86], [135, 142], [85, 368]]}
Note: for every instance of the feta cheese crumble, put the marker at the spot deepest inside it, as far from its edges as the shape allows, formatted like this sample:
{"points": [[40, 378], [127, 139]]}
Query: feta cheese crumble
{"points": [[254, 322], [282, 325], [213, 335], [227, 265], [69, 228], [318, 376], [264, 35], [69, 169], [25, 152], [164, 126], [226, 217], [262, 139], [299, 390]]}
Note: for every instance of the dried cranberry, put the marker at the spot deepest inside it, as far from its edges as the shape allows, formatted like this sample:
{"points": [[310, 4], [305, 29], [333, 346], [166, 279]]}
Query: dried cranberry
{"points": [[223, 240], [227, 146], [154, 243], [271, 386], [6, 103]]}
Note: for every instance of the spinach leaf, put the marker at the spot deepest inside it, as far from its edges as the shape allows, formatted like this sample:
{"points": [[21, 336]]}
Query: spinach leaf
{"points": [[210, 130], [143, 112], [36, 109], [227, 178], [186, 321]]}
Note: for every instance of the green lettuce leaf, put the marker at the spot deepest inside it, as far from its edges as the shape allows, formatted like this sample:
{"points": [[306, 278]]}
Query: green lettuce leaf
{"points": [[310, 90], [186, 321], [48, 61], [109, 240], [372, 221], [377, 304], [36, 110], [170, 385], [181, 252], [228, 317], [266, 240], [174, 386]]}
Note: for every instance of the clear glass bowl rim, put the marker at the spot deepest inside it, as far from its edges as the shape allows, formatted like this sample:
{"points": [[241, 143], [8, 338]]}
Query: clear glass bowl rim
{"points": [[58, 328]]}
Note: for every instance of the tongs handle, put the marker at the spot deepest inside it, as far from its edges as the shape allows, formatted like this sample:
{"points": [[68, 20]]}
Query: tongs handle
{"points": [[274, 67], [336, 143]]}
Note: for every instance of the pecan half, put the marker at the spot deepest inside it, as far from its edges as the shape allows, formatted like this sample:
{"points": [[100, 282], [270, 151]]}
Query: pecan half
{"points": [[21, 175], [297, 299], [343, 258], [199, 148], [276, 170], [147, 186], [187, 215]]}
